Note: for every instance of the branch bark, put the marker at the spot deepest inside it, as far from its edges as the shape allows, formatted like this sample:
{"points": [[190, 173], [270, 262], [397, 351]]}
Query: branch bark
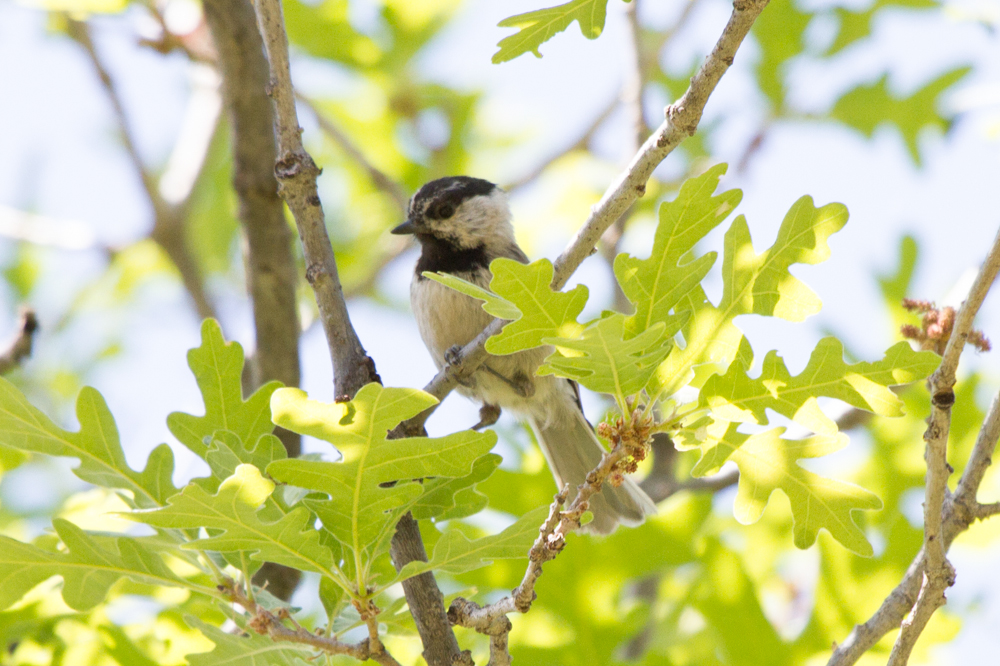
{"points": [[912, 603], [272, 625], [296, 173], [353, 368], [492, 620]]}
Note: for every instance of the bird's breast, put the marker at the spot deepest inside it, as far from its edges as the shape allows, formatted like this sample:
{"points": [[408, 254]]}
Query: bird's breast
{"points": [[445, 317]]}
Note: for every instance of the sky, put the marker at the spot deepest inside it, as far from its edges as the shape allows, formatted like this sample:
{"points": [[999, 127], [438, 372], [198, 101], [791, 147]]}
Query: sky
{"points": [[59, 159]]}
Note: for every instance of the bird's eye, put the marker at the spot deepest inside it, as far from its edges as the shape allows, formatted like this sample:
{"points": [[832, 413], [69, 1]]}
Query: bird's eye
{"points": [[445, 211]]}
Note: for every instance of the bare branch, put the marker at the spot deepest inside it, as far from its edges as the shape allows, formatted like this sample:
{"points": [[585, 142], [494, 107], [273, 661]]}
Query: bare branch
{"points": [[20, 348], [168, 225], [297, 173], [945, 374], [425, 599], [922, 588], [492, 620], [272, 625], [939, 574], [378, 177], [682, 119]]}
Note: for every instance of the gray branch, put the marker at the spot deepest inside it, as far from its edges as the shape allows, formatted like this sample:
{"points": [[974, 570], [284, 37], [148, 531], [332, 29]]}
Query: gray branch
{"points": [[270, 265], [297, 173], [911, 604]]}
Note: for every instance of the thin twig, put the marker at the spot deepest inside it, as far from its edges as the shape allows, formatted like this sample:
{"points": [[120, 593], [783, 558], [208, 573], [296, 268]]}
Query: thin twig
{"points": [[272, 625], [378, 177], [580, 144], [681, 121], [922, 589], [297, 172], [939, 574], [169, 219], [492, 620], [20, 348]]}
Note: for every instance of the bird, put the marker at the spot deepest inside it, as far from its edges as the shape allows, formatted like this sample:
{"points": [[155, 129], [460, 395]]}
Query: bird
{"points": [[462, 224]]}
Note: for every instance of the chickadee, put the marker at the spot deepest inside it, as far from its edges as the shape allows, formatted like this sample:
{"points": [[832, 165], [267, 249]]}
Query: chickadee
{"points": [[463, 224]]}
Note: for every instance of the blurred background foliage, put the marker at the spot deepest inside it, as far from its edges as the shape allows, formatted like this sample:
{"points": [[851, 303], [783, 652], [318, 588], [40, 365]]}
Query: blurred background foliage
{"points": [[385, 111]]}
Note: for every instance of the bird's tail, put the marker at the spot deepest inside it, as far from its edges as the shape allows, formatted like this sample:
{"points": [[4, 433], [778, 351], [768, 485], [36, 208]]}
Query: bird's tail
{"points": [[572, 451]]}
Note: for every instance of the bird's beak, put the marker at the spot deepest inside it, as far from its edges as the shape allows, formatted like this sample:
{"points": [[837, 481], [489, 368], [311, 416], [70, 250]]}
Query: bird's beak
{"points": [[405, 229]]}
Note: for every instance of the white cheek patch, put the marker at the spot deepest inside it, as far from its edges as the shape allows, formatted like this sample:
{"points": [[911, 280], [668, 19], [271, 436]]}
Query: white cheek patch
{"points": [[481, 220]]}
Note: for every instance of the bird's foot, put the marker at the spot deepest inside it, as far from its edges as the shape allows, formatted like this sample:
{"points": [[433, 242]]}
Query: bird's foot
{"points": [[488, 415], [453, 357], [519, 382]]}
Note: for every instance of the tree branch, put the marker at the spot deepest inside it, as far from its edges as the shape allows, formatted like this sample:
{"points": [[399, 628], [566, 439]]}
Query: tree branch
{"points": [[425, 599], [939, 574], [681, 121], [921, 591], [492, 620], [168, 224], [272, 625], [270, 267], [297, 173], [20, 348]]}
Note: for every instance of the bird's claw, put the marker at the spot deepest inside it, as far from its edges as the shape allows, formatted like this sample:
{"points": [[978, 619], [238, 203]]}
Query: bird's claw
{"points": [[488, 415], [453, 356]]}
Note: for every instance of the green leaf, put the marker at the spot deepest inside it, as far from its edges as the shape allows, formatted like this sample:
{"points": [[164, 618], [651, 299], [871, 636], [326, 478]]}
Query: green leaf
{"points": [[727, 598], [656, 285], [752, 284], [123, 649], [541, 25], [227, 452], [291, 539], [218, 369], [91, 566], [868, 106], [522, 294], [768, 463], [375, 482], [603, 361], [96, 445], [456, 553], [250, 649], [736, 397], [447, 499]]}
